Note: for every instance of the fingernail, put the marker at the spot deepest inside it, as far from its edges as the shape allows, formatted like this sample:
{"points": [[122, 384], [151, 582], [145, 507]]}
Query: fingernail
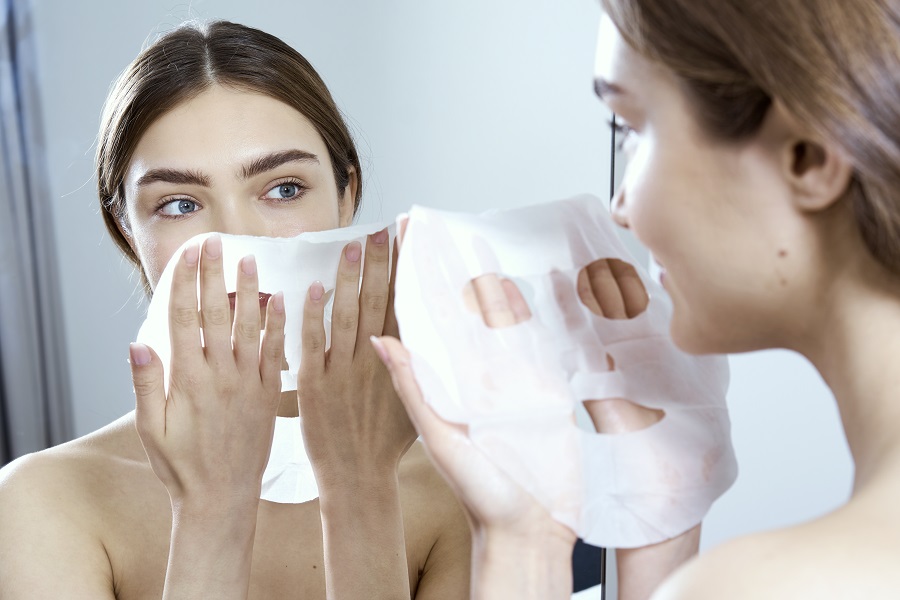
{"points": [[140, 354], [213, 246], [316, 290], [248, 265], [380, 237], [353, 251], [191, 255], [380, 350], [278, 302]]}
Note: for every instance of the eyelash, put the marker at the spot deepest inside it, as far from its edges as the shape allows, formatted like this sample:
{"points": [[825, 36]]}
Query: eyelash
{"points": [[301, 191], [620, 130]]}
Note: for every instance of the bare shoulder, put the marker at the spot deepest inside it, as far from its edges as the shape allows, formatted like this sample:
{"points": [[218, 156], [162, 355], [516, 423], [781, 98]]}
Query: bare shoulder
{"points": [[423, 488], [847, 554], [433, 515], [49, 517]]}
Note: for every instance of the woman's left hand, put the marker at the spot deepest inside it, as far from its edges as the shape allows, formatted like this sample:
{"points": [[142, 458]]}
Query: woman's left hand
{"points": [[354, 425], [356, 429]]}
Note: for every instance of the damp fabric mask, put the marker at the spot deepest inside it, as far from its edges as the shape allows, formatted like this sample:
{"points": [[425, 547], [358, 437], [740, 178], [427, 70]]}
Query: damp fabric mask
{"points": [[518, 388]]}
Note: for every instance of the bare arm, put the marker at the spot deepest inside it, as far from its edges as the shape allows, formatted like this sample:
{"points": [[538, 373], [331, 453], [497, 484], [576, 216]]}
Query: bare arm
{"points": [[365, 549], [355, 429]]}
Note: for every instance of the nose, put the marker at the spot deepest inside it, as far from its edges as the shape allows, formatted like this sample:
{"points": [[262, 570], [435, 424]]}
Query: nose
{"points": [[618, 209], [239, 218]]}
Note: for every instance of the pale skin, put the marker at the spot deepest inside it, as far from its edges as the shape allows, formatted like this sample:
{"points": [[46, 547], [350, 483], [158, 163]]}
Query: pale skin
{"points": [[165, 501], [759, 250]]}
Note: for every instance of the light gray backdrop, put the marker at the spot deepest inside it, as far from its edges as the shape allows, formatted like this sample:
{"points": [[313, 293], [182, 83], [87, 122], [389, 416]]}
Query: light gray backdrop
{"points": [[465, 104]]}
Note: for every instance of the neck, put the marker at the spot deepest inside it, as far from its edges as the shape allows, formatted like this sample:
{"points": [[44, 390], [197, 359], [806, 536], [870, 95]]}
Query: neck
{"points": [[854, 346]]}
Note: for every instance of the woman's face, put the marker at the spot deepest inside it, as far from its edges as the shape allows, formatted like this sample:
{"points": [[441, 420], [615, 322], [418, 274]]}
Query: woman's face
{"points": [[714, 214], [234, 162]]}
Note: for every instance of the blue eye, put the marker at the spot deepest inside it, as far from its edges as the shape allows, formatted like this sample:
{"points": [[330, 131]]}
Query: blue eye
{"points": [[288, 190], [178, 207]]}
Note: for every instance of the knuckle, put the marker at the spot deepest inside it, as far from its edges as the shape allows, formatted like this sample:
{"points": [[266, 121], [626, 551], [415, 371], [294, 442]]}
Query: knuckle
{"points": [[377, 255], [216, 315], [184, 316], [315, 343], [247, 331], [344, 322], [145, 386], [349, 277], [184, 380], [273, 352], [375, 302]]}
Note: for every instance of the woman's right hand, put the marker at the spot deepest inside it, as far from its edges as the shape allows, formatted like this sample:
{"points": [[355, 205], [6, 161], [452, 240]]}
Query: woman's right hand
{"points": [[208, 439]]}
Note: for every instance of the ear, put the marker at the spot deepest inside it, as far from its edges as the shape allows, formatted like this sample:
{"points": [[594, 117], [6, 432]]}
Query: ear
{"points": [[347, 200], [818, 172]]}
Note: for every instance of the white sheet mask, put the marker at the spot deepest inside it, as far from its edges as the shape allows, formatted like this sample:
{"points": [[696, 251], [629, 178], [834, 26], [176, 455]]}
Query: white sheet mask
{"points": [[289, 265], [517, 387]]}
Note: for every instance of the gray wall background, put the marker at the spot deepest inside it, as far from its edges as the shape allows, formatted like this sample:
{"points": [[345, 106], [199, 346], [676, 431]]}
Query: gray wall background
{"points": [[467, 105]]}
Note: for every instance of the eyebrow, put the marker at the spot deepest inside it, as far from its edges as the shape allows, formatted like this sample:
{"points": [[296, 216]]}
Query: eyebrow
{"points": [[604, 89], [275, 160], [259, 165]]}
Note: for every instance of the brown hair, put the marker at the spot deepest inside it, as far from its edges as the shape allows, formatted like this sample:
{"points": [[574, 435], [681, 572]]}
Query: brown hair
{"points": [[183, 63], [835, 66]]}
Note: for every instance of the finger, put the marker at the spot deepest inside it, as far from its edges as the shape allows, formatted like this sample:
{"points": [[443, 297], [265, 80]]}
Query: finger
{"points": [[373, 297], [184, 319], [634, 294], [390, 319], [516, 301], [271, 351], [606, 290], [312, 333], [345, 310], [492, 300], [215, 310], [149, 391], [245, 332]]}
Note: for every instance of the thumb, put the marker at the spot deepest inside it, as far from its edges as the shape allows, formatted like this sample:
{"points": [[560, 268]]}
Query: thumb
{"points": [[149, 391]]}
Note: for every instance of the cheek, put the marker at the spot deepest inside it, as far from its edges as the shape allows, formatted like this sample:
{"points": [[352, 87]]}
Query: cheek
{"points": [[651, 190], [154, 252]]}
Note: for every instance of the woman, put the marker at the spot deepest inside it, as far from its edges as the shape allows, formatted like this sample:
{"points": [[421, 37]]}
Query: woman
{"points": [[764, 175], [225, 128]]}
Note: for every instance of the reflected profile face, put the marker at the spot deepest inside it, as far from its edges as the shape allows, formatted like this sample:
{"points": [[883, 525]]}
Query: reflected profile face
{"points": [[714, 213], [234, 162]]}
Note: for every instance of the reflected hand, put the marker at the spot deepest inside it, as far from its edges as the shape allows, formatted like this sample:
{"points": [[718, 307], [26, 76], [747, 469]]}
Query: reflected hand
{"points": [[209, 438]]}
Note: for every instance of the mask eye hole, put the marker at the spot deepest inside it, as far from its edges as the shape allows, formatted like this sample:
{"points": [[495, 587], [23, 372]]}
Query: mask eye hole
{"points": [[617, 416], [497, 299], [611, 288]]}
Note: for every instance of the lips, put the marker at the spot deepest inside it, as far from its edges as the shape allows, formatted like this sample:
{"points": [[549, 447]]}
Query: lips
{"points": [[263, 299]]}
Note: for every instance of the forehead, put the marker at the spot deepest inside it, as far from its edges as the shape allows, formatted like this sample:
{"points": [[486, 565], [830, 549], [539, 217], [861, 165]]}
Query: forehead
{"points": [[220, 128]]}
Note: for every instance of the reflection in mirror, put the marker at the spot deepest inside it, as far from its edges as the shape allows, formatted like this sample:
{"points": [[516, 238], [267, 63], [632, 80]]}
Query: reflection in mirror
{"points": [[612, 288], [497, 299]]}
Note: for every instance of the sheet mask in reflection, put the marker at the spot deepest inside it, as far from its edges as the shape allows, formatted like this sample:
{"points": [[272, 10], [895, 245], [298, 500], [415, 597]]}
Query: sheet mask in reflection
{"points": [[289, 265], [517, 387]]}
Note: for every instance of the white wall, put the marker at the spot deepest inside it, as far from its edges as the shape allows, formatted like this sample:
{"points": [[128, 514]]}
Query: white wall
{"points": [[463, 104]]}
